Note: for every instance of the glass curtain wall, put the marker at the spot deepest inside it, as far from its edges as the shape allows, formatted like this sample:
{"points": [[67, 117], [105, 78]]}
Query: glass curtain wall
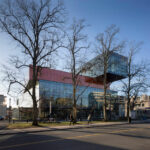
{"points": [[61, 96]]}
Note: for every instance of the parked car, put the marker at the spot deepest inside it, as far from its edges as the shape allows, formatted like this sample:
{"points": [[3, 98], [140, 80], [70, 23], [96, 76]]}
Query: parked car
{"points": [[1, 118]]}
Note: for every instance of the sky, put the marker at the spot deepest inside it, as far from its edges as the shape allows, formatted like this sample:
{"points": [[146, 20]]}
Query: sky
{"points": [[131, 16]]}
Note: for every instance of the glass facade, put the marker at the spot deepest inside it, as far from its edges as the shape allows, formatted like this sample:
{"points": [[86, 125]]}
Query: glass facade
{"points": [[61, 95], [55, 87], [117, 65], [57, 90]]}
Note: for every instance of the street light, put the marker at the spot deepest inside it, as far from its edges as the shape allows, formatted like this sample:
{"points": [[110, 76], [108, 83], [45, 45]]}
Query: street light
{"points": [[9, 110], [18, 109], [50, 106]]}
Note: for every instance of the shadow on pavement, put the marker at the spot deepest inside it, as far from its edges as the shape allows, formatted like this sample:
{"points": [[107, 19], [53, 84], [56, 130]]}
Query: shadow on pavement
{"points": [[43, 142]]}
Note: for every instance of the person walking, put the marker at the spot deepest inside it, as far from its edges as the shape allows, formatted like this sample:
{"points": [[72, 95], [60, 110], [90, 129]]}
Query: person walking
{"points": [[71, 119]]}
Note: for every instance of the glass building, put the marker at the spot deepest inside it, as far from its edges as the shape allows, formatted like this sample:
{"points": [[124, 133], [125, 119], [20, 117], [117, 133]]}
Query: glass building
{"points": [[55, 88], [116, 70]]}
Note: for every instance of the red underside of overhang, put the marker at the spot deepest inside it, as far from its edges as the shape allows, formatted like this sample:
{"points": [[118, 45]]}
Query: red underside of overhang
{"points": [[64, 77], [100, 79]]}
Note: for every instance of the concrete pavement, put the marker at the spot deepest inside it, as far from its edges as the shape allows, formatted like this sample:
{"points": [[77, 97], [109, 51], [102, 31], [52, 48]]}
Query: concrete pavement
{"points": [[134, 136], [43, 129], [3, 124]]}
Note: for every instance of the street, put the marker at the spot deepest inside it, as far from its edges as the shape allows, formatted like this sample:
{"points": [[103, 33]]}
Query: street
{"points": [[126, 136]]}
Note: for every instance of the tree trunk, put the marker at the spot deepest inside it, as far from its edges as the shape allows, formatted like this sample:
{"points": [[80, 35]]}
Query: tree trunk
{"points": [[35, 110], [74, 114], [105, 92], [74, 105], [35, 114], [129, 90], [105, 113], [128, 111]]}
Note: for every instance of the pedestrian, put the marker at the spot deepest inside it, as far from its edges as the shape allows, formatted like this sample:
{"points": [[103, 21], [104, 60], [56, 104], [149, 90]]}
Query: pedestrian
{"points": [[89, 118], [71, 119]]}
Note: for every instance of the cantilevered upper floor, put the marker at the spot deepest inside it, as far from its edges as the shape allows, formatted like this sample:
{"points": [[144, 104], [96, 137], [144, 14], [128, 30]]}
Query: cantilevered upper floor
{"points": [[116, 69]]}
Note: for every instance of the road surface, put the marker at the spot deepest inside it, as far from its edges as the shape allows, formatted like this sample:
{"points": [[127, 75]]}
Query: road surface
{"points": [[115, 137]]}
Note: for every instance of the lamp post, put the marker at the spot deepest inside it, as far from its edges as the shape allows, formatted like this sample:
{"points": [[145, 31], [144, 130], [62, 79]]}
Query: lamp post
{"points": [[18, 109], [9, 110], [50, 106]]}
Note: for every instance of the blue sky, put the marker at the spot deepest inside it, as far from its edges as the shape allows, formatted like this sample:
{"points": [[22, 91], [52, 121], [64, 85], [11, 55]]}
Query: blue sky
{"points": [[131, 16]]}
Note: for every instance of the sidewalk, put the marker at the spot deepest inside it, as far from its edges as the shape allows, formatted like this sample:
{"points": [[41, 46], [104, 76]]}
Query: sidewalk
{"points": [[42, 129]]}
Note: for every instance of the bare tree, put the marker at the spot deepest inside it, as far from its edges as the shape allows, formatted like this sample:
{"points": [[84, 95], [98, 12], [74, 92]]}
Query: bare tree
{"points": [[76, 46], [35, 27], [139, 87], [136, 77], [107, 44]]}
